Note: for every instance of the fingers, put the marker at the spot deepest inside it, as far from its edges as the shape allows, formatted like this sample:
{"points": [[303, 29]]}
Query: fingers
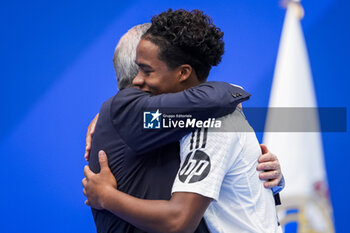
{"points": [[87, 203], [84, 182], [267, 157], [84, 191], [87, 172], [92, 125], [270, 175], [88, 140], [87, 152], [264, 149], [102, 158], [267, 166], [271, 183]]}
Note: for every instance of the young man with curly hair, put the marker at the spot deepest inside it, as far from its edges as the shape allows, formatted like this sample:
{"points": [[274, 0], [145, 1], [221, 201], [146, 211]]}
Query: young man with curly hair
{"points": [[176, 54]]}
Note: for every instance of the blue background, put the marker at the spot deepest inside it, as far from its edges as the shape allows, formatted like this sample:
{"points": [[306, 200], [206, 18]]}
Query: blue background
{"points": [[56, 70]]}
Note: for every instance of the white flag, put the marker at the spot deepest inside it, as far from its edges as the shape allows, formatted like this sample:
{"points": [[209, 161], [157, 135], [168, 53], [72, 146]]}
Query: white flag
{"points": [[292, 107]]}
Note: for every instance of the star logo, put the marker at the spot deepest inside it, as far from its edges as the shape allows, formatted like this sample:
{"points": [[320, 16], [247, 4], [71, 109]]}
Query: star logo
{"points": [[156, 115], [152, 119]]}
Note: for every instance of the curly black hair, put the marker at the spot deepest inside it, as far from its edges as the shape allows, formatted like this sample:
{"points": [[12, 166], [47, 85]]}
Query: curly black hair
{"points": [[187, 37]]}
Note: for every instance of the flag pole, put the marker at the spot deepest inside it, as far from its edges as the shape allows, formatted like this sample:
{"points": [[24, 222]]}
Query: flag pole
{"points": [[295, 3], [305, 202]]}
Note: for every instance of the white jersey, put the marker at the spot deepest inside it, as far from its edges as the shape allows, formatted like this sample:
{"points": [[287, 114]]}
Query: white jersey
{"points": [[222, 166]]}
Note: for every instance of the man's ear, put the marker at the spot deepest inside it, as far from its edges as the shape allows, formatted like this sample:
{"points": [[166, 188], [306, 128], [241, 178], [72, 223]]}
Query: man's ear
{"points": [[185, 72]]}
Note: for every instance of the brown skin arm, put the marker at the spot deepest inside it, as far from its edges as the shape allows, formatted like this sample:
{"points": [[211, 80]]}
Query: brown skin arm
{"points": [[268, 162], [182, 213]]}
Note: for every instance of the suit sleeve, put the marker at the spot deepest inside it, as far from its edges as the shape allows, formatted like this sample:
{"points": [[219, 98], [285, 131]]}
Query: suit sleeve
{"points": [[208, 100]]}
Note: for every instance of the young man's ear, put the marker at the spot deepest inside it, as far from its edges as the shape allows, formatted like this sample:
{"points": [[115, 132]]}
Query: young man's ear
{"points": [[185, 72]]}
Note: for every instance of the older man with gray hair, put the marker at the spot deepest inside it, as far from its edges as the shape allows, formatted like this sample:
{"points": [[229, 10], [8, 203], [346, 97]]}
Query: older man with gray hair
{"points": [[125, 54], [161, 165]]}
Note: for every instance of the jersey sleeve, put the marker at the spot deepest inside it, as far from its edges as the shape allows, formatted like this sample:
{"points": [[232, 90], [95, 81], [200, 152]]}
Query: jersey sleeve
{"points": [[208, 100], [206, 158]]}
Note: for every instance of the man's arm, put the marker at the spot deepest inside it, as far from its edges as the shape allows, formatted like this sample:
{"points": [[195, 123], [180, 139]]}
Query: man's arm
{"points": [[207, 100], [182, 213]]}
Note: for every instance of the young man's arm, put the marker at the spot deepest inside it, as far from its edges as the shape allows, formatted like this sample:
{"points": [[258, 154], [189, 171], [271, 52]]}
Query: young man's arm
{"points": [[181, 214], [268, 163]]}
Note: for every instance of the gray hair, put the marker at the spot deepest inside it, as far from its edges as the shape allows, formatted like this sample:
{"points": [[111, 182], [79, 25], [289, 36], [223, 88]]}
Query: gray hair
{"points": [[125, 55]]}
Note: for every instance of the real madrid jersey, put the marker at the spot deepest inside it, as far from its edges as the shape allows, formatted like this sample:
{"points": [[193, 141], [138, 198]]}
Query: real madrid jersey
{"points": [[222, 166]]}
